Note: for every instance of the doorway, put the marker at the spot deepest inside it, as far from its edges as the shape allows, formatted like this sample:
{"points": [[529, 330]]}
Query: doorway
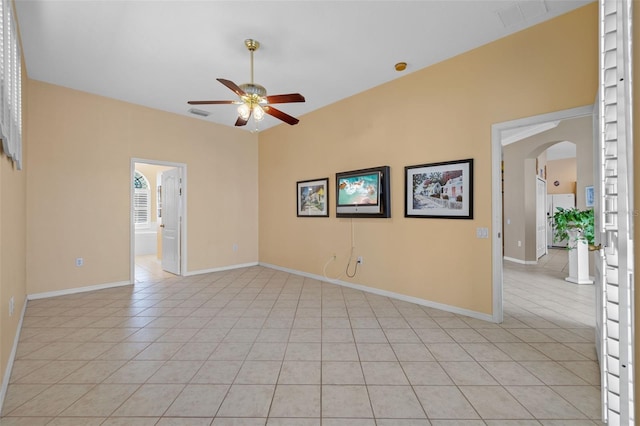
{"points": [[158, 220]]}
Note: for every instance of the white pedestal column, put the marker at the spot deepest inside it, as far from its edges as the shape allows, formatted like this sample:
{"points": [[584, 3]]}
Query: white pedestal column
{"points": [[578, 260]]}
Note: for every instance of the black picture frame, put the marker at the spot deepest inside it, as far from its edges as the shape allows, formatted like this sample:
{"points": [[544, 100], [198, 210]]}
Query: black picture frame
{"points": [[312, 198], [439, 190]]}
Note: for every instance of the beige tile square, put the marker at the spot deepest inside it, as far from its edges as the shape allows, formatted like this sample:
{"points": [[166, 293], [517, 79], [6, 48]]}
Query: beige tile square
{"points": [[485, 352], [267, 352], [102, 400], [395, 402], [303, 352], [345, 401], [306, 335], [494, 402], [274, 421], [296, 401], [339, 352], [124, 351], [238, 421], [195, 351], [412, 352], [247, 401], [51, 372], [544, 403], [522, 352], [376, 352], [217, 372], [176, 372], [433, 335], [587, 399], [468, 373], [258, 373], [51, 401], [134, 372], [131, 421], [384, 373], [369, 335], [93, 372], [299, 373], [445, 402], [18, 394], [425, 373], [448, 352], [342, 373], [149, 400], [552, 373], [184, 421], [198, 401], [231, 352], [510, 374], [159, 351]]}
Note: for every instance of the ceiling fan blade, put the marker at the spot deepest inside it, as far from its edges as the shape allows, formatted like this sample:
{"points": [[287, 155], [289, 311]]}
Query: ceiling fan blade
{"points": [[210, 102], [281, 99], [281, 115], [241, 121], [231, 85]]}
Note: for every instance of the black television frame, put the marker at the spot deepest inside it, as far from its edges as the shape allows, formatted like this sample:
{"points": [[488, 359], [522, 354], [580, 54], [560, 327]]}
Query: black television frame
{"points": [[360, 210]]}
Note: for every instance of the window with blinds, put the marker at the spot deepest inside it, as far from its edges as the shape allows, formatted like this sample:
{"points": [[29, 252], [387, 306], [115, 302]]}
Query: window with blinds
{"points": [[10, 85], [141, 201]]}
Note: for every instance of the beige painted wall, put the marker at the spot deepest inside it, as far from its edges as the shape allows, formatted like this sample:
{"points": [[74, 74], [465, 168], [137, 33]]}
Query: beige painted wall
{"points": [[565, 171], [78, 182], [519, 181], [441, 113], [13, 253]]}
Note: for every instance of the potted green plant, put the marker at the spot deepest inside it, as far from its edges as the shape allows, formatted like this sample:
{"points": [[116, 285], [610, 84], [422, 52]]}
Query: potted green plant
{"points": [[567, 220], [577, 227]]}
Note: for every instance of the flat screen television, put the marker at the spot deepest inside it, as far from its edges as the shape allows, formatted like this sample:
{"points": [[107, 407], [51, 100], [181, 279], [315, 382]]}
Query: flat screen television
{"points": [[363, 193]]}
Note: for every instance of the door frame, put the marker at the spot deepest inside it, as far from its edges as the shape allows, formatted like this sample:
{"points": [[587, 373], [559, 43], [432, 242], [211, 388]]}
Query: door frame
{"points": [[497, 130], [182, 211]]}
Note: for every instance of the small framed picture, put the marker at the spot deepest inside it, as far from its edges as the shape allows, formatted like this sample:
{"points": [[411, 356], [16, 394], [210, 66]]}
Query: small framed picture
{"points": [[440, 190], [313, 197], [589, 196]]}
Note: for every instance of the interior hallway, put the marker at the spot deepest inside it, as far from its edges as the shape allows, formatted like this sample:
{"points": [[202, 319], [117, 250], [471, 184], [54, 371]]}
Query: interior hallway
{"points": [[256, 346]]}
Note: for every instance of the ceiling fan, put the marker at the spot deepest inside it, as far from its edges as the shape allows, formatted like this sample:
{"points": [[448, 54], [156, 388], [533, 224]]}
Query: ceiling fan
{"points": [[254, 99]]}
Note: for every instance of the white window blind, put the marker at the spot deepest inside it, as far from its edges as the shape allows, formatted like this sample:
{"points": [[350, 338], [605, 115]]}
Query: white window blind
{"points": [[10, 85], [141, 201]]}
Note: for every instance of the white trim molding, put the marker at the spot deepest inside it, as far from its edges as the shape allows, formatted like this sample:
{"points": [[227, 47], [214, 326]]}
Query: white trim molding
{"points": [[220, 269], [46, 295], [12, 357]]}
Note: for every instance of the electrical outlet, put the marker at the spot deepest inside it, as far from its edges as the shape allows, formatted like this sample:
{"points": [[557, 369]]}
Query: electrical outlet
{"points": [[519, 243], [360, 260], [12, 306], [79, 261], [235, 247]]}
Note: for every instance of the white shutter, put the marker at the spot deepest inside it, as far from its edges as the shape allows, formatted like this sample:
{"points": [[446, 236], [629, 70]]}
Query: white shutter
{"points": [[141, 207], [614, 219], [10, 85]]}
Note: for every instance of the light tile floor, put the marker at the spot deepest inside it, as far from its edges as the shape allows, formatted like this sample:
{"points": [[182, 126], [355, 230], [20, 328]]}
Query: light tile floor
{"points": [[256, 346]]}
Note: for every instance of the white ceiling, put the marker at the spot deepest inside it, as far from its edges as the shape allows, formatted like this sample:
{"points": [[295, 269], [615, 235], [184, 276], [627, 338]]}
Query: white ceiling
{"points": [[161, 54]]}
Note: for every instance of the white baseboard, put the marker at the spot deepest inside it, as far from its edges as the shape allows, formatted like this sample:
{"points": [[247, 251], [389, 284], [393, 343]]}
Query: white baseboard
{"points": [[386, 293], [222, 268], [12, 357], [68, 291], [520, 261]]}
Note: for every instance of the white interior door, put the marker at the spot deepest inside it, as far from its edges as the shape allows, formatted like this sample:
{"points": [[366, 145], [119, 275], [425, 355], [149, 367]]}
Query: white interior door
{"points": [[171, 220], [541, 218], [614, 219]]}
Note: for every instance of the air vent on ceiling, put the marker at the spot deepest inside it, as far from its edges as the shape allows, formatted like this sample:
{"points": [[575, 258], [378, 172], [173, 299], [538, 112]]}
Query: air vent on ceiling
{"points": [[199, 112]]}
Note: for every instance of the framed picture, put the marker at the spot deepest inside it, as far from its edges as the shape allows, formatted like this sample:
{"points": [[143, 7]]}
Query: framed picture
{"points": [[313, 197], [439, 190], [589, 196]]}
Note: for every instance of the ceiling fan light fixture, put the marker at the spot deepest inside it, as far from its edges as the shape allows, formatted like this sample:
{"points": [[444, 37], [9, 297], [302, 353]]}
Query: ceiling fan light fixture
{"points": [[258, 113], [244, 111]]}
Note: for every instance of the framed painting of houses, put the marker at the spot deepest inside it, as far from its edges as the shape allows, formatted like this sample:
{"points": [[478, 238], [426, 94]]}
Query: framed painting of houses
{"points": [[313, 197], [439, 190]]}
